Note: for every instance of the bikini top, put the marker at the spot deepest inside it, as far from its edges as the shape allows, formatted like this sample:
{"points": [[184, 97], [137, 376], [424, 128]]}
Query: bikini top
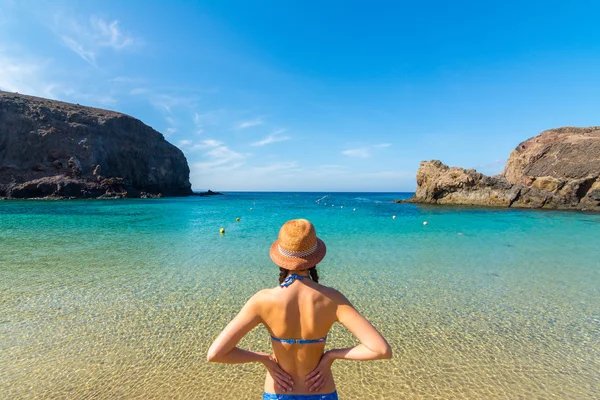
{"points": [[287, 282]]}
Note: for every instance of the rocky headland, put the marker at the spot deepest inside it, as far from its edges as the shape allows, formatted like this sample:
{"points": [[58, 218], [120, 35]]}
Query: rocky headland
{"points": [[557, 169], [51, 149]]}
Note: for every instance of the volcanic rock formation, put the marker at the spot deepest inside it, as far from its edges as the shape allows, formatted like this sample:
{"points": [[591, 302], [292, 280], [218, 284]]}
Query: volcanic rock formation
{"points": [[52, 149], [557, 169]]}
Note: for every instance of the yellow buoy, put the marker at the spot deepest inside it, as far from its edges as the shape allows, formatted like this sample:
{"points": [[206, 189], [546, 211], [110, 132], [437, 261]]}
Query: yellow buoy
{"points": [[237, 220], [222, 230]]}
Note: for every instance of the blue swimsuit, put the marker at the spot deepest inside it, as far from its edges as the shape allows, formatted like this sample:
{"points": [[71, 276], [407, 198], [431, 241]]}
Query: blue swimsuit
{"points": [[272, 396]]}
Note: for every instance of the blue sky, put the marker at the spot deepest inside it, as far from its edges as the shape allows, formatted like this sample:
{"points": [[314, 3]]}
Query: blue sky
{"points": [[323, 96]]}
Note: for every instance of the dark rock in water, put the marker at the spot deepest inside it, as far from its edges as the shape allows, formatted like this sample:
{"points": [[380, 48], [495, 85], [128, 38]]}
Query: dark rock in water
{"points": [[52, 149], [558, 169], [209, 193], [65, 187]]}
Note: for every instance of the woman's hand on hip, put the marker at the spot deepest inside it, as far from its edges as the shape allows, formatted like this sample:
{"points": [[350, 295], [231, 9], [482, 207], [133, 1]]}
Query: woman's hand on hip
{"points": [[283, 381], [319, 376]]}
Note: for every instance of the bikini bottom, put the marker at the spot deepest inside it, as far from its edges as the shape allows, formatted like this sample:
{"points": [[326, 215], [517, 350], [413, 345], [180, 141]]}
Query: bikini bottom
{"points": [[273, 396]]}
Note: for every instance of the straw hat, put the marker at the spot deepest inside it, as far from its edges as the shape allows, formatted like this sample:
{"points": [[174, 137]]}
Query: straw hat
{"points": [[298, 246]]}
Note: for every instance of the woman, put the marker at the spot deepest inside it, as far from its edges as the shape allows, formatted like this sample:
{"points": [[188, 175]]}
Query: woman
{"points": [[298, 315]]}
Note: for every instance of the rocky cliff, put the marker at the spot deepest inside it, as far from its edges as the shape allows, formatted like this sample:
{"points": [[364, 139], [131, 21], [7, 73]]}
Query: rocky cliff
{"points": [[53, 149], [557, 169]]}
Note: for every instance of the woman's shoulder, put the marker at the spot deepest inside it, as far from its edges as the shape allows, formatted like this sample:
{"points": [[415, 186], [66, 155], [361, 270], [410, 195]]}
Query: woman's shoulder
{"points": [[334, 294], [273, 294], [263, 294]]}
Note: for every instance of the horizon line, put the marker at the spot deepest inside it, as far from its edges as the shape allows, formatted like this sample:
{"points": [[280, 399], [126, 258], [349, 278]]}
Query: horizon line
{"points": [[301, 191]]}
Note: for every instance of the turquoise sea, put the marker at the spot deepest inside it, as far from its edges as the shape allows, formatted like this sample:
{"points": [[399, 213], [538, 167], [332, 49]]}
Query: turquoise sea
{"points": [[121, 299]]}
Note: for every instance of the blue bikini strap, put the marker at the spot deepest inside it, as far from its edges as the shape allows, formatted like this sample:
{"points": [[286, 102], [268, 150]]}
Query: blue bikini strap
{"points": [[290, 279], [299, 341]]}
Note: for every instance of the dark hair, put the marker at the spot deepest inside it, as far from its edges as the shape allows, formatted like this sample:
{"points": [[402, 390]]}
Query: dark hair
{"points": [[283, 273]]}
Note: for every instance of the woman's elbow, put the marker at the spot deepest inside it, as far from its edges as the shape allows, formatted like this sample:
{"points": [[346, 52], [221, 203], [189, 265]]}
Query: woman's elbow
{"points": [[212, 355], [385, 352]]}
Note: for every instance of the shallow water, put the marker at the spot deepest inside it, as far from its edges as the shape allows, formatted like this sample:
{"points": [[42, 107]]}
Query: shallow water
{"points": [[121, 299]]}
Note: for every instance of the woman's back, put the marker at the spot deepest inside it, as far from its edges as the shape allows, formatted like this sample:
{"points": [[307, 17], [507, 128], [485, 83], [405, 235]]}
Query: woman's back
{"points": [[298, 315], [303, 310]]}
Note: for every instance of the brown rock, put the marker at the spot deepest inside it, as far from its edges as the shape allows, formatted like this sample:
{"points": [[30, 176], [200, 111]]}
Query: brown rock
{"points": [[53, 149], [592, 196], [440, 184], [557, 169], [569, 152], [547, 183]]}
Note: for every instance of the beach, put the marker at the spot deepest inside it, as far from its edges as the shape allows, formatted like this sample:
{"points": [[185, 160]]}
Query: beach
{"points": [[121, 299]]}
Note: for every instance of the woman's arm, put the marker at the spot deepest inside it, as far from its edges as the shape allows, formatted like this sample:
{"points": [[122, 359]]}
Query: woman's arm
{"points": [[224, 349], [372, 345]]}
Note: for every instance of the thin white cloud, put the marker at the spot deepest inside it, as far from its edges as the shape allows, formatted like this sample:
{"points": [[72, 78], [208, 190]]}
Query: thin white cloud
{"points": [[364, 152], [88, 55], [173, 107], [211, 143], [231, 174], [197, 118], [272, 138], [108, 34], [87, 39], [212, 117], [162, 102], [249, 124], [33, 76], [208, 119], [190, 146], [360, 152], [27, 76], [170, 131], [223, 154], [218, 156]]}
